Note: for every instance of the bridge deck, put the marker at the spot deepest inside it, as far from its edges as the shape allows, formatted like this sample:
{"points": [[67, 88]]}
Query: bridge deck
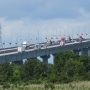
{"points": [[32, 53]]}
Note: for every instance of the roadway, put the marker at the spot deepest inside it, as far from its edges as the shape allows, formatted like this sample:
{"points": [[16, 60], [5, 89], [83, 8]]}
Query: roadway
{"points": [[12, 54], [31, 47], [13, 50]]}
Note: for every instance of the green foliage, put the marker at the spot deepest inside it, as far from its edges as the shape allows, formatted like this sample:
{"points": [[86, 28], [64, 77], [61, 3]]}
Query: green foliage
{"points": [[52, 77], [49, 86], [6, 86], [68, 67], [16, 74], [5, 73], [32, 70]]}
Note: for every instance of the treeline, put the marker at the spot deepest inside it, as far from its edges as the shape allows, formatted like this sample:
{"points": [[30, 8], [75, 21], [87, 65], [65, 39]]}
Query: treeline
{"points": [[67, 67]]}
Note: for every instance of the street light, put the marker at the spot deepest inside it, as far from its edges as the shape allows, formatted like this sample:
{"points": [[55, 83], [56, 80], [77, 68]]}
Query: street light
{"points": [[16, 44], [4, 48], [4, 45], [10, 44]]}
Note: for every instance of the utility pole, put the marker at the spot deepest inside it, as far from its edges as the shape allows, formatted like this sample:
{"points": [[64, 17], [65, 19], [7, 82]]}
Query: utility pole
{"points": [[0, 36]]}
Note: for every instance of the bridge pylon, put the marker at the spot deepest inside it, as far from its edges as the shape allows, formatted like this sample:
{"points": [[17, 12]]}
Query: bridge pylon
{"points": [[1, 46]]}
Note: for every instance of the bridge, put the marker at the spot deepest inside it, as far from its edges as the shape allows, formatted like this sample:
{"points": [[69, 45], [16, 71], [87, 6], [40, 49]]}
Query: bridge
{"points": [[12, 54]]}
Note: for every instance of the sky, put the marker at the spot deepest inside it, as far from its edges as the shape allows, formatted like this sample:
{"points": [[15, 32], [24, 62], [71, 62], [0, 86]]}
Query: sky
{"points": [[34, 20]]}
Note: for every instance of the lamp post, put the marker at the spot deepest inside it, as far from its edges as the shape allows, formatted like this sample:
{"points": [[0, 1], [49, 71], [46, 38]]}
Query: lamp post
{"points": [[16, 44], [4, 48], [10, 44], [4, 45]]}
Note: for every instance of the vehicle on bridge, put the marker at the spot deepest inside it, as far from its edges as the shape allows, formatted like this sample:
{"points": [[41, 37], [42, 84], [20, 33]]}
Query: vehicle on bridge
{"points": [[68, 40], [62, 41], [80, 38], [47, 44]]}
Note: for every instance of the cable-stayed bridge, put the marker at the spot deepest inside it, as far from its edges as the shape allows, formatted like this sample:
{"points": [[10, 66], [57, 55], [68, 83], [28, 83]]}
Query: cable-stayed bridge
{"points": [[43, 50]]}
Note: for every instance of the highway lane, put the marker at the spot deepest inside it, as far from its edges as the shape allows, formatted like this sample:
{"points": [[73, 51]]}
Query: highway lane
{"points": [[8, 50], [15, 50]]}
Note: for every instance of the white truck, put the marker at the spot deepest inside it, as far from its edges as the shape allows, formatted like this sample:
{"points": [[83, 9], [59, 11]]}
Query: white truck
{"points": [[24, 44], [22, 47]]}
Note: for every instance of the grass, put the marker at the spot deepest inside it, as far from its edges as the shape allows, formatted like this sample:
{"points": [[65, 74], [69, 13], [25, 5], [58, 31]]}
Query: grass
{"points": [[70, 86]]}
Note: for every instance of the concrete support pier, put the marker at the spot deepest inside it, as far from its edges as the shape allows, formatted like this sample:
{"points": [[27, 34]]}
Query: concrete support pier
{"points": [[18, 62], [45, 59], [77, 52], [89, 52], [84, 51], [54, 55]]}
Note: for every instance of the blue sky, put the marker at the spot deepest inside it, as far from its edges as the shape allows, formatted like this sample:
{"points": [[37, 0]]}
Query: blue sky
{"points": [[23, 19]]}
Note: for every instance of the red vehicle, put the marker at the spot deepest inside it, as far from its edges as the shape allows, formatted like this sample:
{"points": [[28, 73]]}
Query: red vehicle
{"points": [[62, 41]]}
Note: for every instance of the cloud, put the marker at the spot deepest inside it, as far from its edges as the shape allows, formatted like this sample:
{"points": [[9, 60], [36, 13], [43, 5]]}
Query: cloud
{"points": [[33, 30], [34, 20], [31, 19], [40, 9]]}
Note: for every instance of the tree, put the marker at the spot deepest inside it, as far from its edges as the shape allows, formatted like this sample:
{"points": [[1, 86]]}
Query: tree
{"points": [[70, 67], [16, 73], [32, 70], [4, 72]]}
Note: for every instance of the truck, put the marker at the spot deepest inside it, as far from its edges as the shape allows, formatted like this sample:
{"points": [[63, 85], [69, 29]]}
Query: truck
{"points": [[20, 49], [24, 44]]}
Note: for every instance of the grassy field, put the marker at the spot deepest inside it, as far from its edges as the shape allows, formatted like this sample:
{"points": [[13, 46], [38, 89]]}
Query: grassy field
{"points": [[71, 86]]}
